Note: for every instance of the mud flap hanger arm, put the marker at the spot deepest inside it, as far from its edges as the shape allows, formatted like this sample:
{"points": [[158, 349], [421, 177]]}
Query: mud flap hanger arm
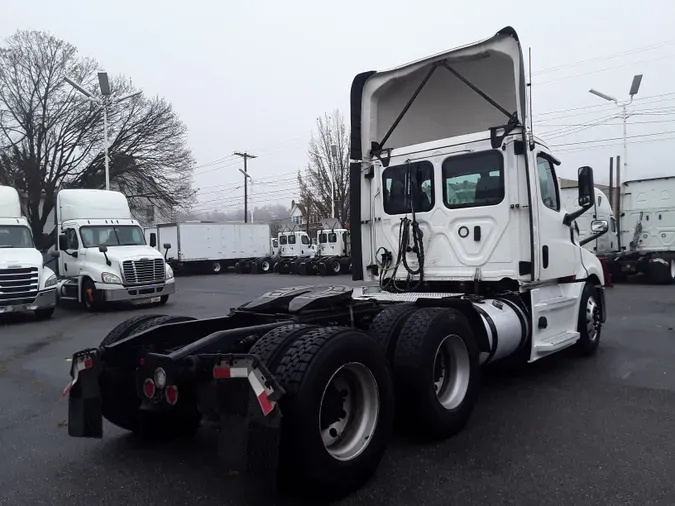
{"points": [[378, 147]]}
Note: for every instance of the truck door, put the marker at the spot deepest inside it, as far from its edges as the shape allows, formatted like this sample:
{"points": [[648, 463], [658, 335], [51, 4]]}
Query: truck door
{"points": [[559, 256], [71, 259]]}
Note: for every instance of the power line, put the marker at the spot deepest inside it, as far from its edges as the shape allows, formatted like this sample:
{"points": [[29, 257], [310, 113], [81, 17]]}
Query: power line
{"points": [[611, 139], [606, 57], [641, 100]]}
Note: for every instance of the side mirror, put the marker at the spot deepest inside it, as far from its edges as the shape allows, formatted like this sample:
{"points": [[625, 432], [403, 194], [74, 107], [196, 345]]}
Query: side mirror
{"points": [[599, 226], [63, 244], [167, 245], [586, 186], [54, 254], [586, 194], [103, 249], [153, 239]]}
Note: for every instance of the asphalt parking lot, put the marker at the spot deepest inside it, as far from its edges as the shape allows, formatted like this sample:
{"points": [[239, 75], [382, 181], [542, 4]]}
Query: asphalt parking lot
{"points": [[562, 431]]}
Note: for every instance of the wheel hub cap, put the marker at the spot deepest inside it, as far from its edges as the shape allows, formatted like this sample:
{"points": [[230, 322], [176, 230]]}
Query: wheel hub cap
{"points": [[592, 318], [452, 371], [348, 411]]}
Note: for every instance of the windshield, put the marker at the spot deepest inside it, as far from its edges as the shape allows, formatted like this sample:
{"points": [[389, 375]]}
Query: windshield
{"points": [[15, 236], [108, 235]]}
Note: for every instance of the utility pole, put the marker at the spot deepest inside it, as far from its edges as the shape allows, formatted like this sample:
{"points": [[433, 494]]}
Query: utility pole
{"points": [[245, 155]]}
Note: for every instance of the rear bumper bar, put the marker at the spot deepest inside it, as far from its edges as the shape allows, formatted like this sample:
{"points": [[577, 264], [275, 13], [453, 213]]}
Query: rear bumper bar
{"points": [[247, 416]]}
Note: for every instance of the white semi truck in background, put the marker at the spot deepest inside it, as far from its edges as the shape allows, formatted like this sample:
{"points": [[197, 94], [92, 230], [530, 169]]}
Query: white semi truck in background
{"points": [[103, 255], [646, 223], [601, 210], [333, 254], [26, 284], [457, 226], [209, 246]]}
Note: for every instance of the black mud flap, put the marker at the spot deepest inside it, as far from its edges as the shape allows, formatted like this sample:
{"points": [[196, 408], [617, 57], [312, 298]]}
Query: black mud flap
{"points": [[250, 420], [84, 397]]}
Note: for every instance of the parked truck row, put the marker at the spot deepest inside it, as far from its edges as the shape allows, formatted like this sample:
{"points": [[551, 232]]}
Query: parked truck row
{"points": [[467, 256], [247, 248]]}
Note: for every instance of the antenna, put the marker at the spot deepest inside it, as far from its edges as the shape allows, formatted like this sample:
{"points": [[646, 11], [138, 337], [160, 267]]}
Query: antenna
{"points": [[529, 64]]}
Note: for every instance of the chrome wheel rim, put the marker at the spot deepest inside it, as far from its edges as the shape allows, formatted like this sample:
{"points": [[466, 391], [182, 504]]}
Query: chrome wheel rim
{"points": [[265, 265], [348, 412], [592, 318], [336, 267], [216, 267], [672, 269], [452, 371]]}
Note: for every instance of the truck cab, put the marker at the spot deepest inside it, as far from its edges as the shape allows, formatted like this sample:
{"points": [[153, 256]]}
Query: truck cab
{"points": [[295, 244], [25, 283], [332, 242], [452, 192], [104, 256]]}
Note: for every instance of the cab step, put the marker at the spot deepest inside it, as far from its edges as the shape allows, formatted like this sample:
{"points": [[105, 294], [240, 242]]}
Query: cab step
{"points": [[556, 342]]}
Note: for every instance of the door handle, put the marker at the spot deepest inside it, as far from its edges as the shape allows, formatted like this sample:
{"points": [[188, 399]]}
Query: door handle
{"points": [[544, 256], [476, 233]]}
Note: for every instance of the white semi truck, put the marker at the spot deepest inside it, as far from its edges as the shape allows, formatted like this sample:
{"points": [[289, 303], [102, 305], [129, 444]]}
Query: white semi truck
{"points": [[647, 231], [104, 257], [283, 257], [601, 210], [25, 283], [208, 246], [470, 259], [333, 254]]}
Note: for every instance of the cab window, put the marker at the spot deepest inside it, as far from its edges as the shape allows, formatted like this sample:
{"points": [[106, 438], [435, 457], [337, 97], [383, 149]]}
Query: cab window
{"points": [[71, 239], [548, 183], [408, 187], [473, 180], [282, 239], [332, 237], [322, 238], [304, 239], [291, 239], [612, 224], [275, 243]]}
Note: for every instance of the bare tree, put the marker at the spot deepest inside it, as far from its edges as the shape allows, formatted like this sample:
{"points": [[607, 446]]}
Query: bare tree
{"points": [[315, 179], [51, 137]]}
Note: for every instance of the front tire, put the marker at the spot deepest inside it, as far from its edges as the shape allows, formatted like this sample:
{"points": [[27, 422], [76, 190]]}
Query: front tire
{"points": [[589, 325], [216, 268], [44, 314], [338, 411], [436, 372], [90, 296]]}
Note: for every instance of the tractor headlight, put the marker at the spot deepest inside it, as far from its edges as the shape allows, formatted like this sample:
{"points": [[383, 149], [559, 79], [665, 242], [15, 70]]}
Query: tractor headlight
{"points": [[51, 281], [169, 272], [110, 278]]}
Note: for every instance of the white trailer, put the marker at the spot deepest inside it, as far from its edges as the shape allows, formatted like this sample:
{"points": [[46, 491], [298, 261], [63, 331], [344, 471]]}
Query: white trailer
{"points": [[208, 246], [601, 210], [25, 283], [104, 257], [457, 224], [647, 230]]}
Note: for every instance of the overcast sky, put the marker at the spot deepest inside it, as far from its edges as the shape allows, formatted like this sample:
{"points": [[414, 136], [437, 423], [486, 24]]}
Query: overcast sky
{"points": [[254, 75]]}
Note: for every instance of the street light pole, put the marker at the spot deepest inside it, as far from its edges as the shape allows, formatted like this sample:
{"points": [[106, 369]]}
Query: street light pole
{"points": [[634, 88], [103, 103]]}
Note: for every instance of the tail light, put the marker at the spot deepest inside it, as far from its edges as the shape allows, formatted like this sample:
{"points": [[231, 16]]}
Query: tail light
{"points": [[171, 394], [149, 388]]}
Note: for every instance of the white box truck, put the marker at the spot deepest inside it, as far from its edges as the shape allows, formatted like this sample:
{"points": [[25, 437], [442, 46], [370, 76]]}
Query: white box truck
{"points": [[25, 283], [208, 246], [104, 257], [456, 224], [647, 230]]}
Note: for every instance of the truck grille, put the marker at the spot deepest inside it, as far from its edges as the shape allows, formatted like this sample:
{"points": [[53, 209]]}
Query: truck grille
{"points": [[18, 286], [143, 271]]}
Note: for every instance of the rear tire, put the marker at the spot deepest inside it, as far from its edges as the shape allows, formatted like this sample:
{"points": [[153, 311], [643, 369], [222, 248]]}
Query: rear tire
{"points": [[387, 326], [436, 372], [120, 402], [271, 347], [266, 265], [216, 268], [661, 274], [163, 300], [339, 378]]}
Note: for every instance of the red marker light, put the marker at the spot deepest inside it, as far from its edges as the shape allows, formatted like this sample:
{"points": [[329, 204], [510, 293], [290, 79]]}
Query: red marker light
{"points": [[149, 388], [171, 394]]}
